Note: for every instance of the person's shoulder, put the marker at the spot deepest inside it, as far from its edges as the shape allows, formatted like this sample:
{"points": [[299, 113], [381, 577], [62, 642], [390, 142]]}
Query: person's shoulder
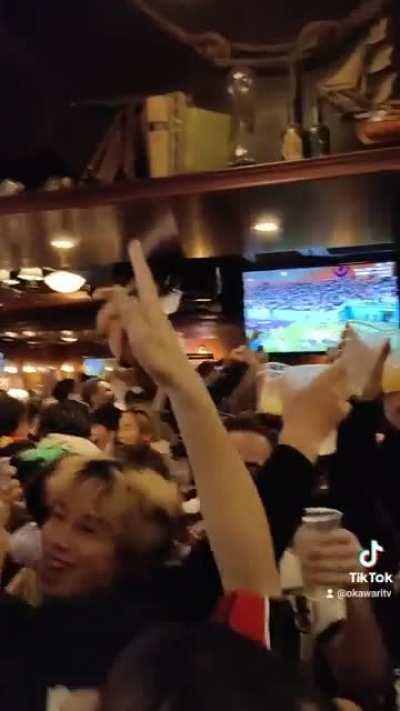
{"points": [[15, 621]]}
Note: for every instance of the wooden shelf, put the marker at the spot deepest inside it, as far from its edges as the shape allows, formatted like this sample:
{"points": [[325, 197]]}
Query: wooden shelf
{"points": [[381, 160]]}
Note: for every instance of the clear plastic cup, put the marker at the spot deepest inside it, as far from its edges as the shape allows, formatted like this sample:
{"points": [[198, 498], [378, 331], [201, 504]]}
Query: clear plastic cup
{"points": [[316, 521], [270, 386]]}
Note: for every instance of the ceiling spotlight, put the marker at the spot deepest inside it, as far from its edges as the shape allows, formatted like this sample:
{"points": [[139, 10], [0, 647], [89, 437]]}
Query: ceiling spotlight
{"points": [[29, 334], [10, 334], [267, 226], [64, 282], [63, 241], [11, 369], [29, 368], [68, 337], [31, 274], [67, 368]]}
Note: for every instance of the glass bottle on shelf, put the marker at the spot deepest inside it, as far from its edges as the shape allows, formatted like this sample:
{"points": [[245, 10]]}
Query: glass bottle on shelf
{"points": [[293, 138], [241, 87], [319, 137]]}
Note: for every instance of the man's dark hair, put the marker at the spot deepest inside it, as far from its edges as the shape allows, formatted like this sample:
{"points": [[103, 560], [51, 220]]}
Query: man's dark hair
{"points": [[108, 416], [64, 389], [142, 456], [135, 397], [206, 667], [12, 412], [67, 417], [89, 389], [247, 423]]}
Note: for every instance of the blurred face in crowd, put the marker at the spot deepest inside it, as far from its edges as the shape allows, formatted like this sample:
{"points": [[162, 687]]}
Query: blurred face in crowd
{"points": [[391, 404], [103, 396], [23, 429], [102, 438], [128, 431], [79, 547], [254, 448]]}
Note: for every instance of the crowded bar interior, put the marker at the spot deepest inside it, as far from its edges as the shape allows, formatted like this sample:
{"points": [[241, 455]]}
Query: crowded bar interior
{"points": [[199, 355]]}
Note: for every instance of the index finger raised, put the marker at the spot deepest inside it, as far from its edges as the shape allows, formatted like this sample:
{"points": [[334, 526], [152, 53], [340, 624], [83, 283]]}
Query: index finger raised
{"points": [[147, 290]]}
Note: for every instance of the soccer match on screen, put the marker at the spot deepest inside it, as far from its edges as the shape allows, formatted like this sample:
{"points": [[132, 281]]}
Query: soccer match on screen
{"points": [[305, 310]]}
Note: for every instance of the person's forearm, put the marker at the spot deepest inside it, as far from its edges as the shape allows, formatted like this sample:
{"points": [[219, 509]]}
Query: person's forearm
{"points": [[287, 471], [358, 657], [235, 519]]}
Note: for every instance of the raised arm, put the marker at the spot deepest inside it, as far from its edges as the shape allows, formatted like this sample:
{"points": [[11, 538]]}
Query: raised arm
{"points": [[235, 519], [310, 414]]}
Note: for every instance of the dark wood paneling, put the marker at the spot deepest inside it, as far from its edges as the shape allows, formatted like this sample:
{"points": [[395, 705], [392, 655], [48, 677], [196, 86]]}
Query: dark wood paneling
{"points": [[366, 162]]}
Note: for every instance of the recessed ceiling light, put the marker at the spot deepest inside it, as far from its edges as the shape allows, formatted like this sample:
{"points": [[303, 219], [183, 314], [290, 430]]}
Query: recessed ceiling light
{"points": [[64, 282], [68, 337], [29, 334], [63, 241], [31, 274], [10, 334], [267, 226]]}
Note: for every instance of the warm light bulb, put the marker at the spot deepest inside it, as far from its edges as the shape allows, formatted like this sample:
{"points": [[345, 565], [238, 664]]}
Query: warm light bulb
{"points": [[68, 337], [64, 282], [11, 369], [29, 368], [10, 334], [67, 368], [63, 241], [267, 226], [29, 334]]}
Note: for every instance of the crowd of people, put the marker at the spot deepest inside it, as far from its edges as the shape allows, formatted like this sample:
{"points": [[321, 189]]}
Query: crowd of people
{"points": [[178, 554]]}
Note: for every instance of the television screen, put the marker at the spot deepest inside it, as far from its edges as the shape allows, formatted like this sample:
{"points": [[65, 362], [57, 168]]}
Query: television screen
{"points": [[93, 366], [305, 310]]}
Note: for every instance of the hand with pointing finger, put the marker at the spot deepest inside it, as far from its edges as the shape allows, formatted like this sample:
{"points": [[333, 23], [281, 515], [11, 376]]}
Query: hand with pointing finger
{"points": [[137, 329]]}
